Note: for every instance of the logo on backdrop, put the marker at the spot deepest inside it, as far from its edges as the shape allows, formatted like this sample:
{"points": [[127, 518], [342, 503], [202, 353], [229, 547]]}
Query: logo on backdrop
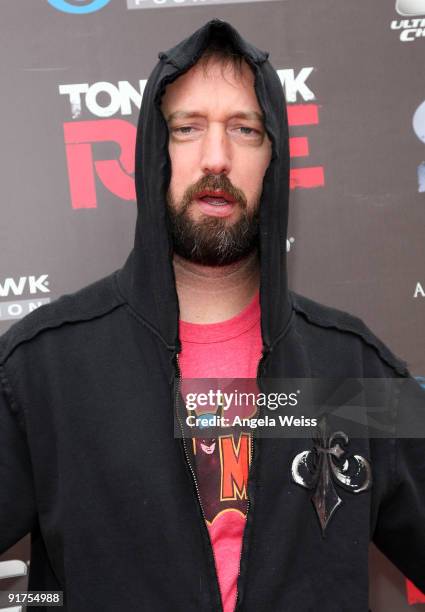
{"points": [[149, 4], [78, 7], [22, 295], [13, 568], [419, 129], [100, 145], [290, 244], [410, 29], [419, 291], [410, 7]]}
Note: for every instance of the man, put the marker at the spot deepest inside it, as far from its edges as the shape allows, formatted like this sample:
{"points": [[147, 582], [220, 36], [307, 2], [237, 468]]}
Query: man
{"points": [[119, 513]]}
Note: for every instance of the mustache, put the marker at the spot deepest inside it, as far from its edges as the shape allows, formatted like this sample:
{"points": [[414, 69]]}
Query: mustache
{"points": [[214, 182]]}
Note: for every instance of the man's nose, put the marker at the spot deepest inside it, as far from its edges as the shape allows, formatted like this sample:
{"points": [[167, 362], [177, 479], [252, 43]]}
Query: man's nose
{"points": [[216, 151]]}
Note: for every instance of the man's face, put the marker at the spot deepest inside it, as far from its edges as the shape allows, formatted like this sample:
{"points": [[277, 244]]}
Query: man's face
{"points": [[219, 153]]}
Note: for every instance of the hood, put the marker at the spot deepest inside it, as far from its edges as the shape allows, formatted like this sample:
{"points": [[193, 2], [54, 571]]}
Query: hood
{"points": [[147, 278]]}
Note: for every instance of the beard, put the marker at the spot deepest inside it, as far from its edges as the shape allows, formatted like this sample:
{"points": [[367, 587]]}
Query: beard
{"points": [[213, 241]]}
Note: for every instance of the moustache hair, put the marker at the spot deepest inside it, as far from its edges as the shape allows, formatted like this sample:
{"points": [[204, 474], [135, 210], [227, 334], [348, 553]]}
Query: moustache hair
{"points": [[214, 182], [210, 240]]}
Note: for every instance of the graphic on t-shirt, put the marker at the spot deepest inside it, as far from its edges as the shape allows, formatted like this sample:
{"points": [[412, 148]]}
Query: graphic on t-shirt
{"points": [[222, 468], [234, 459], [222, 462]]}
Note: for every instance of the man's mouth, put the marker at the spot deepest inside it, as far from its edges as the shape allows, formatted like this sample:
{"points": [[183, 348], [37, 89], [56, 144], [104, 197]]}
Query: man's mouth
{"points": [[215, 198]]}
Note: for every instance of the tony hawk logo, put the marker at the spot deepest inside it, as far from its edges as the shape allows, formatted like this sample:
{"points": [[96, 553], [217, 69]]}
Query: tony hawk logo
{"points": [[410, 29], [16, 307], [85, 139], [115, 174]]}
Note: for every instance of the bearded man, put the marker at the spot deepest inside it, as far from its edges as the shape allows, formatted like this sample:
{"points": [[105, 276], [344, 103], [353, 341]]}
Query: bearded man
{"points": [[123, 515]]}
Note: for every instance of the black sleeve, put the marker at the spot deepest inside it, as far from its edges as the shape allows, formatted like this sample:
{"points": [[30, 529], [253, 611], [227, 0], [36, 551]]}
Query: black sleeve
{"points": [[17, 498], [400, 527]]}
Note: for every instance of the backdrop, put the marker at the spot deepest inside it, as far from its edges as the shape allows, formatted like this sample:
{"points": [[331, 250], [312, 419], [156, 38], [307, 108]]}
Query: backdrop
{"points": [[73, 73]]}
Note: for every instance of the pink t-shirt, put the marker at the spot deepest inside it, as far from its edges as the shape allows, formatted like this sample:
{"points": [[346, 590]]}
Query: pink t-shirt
{"points": [[228, 349]]}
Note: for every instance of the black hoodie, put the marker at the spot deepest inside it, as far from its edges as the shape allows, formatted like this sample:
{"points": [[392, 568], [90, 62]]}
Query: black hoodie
{"points": [[88, 459]]}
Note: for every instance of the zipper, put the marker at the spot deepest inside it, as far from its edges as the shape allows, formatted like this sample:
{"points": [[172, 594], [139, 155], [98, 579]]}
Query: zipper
{"points": [[252, 439], [195, 481], [192, 471], [248, 503]]}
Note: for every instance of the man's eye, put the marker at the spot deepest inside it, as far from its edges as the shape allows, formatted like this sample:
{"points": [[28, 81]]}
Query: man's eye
{"points": [[248, 132], [184, 130]]}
